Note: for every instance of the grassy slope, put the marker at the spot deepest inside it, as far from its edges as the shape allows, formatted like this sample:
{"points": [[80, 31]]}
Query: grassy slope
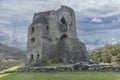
{"points": [[9, 69], [83, 75]]}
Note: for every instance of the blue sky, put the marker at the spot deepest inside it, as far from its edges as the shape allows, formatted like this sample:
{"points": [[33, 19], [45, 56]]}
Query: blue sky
{"points": [[98, 21]]}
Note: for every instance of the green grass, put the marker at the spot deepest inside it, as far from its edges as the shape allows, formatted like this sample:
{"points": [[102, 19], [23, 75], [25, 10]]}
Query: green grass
{"points": [[9, 69], [83, 75]]}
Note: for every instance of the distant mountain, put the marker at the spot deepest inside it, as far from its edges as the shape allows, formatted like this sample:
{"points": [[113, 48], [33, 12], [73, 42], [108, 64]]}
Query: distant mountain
{"points": [[10, 52]]}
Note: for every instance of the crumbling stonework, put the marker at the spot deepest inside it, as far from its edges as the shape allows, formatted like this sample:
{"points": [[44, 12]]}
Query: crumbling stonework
{"points": [[52, 35]]}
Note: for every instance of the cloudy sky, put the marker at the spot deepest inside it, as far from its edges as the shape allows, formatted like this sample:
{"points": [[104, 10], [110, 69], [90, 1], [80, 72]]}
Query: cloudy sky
{"points": [[98, 21]]}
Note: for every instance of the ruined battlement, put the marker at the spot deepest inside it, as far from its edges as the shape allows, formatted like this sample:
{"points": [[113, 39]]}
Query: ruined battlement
{"points": [[52, 35]]}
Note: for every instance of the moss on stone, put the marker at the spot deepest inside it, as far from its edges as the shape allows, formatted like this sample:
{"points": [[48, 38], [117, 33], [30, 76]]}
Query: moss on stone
{"points": [[51, 61]]}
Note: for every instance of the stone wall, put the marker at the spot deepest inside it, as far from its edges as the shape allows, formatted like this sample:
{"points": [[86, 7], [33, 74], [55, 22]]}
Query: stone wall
{"points": [[75, 67]]}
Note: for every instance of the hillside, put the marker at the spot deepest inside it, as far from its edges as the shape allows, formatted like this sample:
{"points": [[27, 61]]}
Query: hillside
{"points": [[10, 52], [107, 54]]}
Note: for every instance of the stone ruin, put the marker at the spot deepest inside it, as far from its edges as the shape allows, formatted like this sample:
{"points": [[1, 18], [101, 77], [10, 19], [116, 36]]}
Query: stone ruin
{"points": [[52, 35]]}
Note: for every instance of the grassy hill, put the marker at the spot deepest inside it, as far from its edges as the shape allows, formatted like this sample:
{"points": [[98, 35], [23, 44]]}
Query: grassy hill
{"points": [[107, 54]]}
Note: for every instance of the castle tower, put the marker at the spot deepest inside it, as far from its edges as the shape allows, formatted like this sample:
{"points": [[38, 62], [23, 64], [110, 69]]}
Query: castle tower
{"points": [[52, 35]]}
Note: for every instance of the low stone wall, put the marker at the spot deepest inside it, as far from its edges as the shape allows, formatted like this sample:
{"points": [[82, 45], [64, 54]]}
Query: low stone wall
{"points": [[44, 69], [96, 67], [76, 67]]}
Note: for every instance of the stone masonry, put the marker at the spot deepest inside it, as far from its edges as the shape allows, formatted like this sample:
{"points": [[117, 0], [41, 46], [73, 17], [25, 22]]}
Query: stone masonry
{"points": [[51, 35]]}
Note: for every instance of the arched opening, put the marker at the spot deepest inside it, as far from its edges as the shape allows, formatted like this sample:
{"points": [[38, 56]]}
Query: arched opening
{"points": [[37, 59], [63, 37], [32, 29], [33, 40], [47, 27], [38, 55], [62, 41], [63, 21], [63, 24], [62, 45], [31, 58]]}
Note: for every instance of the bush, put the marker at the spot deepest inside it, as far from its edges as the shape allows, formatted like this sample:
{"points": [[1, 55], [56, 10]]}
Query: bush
{"points": [[107, 54], [52, 61], [4, 64]]}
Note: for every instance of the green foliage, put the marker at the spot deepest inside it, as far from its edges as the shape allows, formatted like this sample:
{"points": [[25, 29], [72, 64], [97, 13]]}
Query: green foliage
{"points": [[52, 61], [4, 64], [82, 75], [107, 54], [33, 64]]}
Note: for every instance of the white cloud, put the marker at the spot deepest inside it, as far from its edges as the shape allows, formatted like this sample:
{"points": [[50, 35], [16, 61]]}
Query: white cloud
{"points": [[28, 7], [114, 41], [93, 47], [113, 21], [42, 5], [20, 38], [4, 21], [13, 38], [116, 20], [24, 9], [6, 36], [97, 20]]}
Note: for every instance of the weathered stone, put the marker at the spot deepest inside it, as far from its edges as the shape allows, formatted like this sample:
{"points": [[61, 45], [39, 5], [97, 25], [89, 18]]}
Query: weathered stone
{"points": [[81, 66], [23, 69], [75, 67], [52, 35]]}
